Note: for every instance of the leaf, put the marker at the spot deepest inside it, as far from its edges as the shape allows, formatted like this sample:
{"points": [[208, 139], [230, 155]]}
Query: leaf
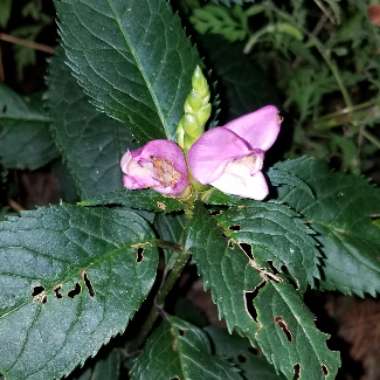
{"points": [[71, 278], [340, 213], [237, 349], [132, 57], [171, 228], [104, 368], [243, 85], [179, 350], [5, 12], [141, 199], [277, 235], [25, 141], [259, 304], [91, 143]]}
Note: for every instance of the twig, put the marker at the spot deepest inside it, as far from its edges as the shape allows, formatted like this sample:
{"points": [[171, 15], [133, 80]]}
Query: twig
{"points": [[26, 43], [15, 205]]}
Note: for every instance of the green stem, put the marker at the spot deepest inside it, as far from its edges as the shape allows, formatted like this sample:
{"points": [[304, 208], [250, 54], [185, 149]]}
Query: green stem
{"points": [[166, 287], [370, 137]]}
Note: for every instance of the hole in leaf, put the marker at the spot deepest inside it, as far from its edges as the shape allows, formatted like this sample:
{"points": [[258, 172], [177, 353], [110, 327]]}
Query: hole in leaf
{"points": [[297, 372], [249, 297], [175, 378], [253, 351], [325, 370], [140, 255], [216, 212], [57, 291], [234, 227], [291, 279], [37, 290], [181, 332], [241, 358], [74, 292], [247, 250], [272, 267], [284, 327], [88, 285], [4, 110]]}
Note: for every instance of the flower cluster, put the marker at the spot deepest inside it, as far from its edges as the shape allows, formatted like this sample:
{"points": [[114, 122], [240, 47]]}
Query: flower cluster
{"points": [[229, 158]]}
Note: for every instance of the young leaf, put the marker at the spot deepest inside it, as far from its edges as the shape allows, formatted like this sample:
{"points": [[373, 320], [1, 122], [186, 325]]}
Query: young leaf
{"points": [[259, 304], [132, 57], [277, 235], [25, 141], [71, 278], [339, 210], [179, 350], [141, 199], [91, 143], [104, 368], [237, 349]]}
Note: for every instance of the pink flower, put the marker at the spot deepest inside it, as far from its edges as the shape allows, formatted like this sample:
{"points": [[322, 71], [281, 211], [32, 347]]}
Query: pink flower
{"points": [[159, 164], [231, 157]]}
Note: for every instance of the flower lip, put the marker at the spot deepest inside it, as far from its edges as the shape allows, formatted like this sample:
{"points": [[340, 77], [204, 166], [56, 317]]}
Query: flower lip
{"points": [[159, 164]]}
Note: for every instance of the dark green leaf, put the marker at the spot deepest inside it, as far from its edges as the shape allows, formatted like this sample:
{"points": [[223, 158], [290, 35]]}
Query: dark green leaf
{"points": [[133, 59], [5, 12], [259, 304], [179, 350], [277, 235], [171, 228], [137, 199], [104, 368], [243, 85], [339, 210], [237, 349], [71, 278], [90, 142], [25, 141]]}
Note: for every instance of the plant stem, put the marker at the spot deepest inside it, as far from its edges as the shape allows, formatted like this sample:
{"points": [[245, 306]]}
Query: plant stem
{"points": [[159, 301]]}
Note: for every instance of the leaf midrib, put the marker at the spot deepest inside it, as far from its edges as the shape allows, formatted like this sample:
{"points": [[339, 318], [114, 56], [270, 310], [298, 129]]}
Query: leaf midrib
{"points": [[141, 70]]}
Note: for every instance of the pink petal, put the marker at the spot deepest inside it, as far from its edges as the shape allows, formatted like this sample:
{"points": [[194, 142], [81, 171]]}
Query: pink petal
{"points": [[243, 184], [260, 128], [210, 154], [140, 167]]}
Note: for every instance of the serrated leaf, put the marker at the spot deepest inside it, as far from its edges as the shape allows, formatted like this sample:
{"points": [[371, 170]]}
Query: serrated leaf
{"points": [[71, 278], [339, 211], [104, 368], [25, 141], [179, 350], [132, 57], [277, 235], [91, 143], [278, 322], [141, 199], [237, 349]]}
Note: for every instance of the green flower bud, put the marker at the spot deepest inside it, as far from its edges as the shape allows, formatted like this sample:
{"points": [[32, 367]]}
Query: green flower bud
{"points": [[197, 109]]}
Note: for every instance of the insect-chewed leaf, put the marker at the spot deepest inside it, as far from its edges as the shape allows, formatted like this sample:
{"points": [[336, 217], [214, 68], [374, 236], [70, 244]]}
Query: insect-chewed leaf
{"points": [[259, 304], [179, 350], [339, 209], [133, 58], [276, 235], [71, 278]]}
